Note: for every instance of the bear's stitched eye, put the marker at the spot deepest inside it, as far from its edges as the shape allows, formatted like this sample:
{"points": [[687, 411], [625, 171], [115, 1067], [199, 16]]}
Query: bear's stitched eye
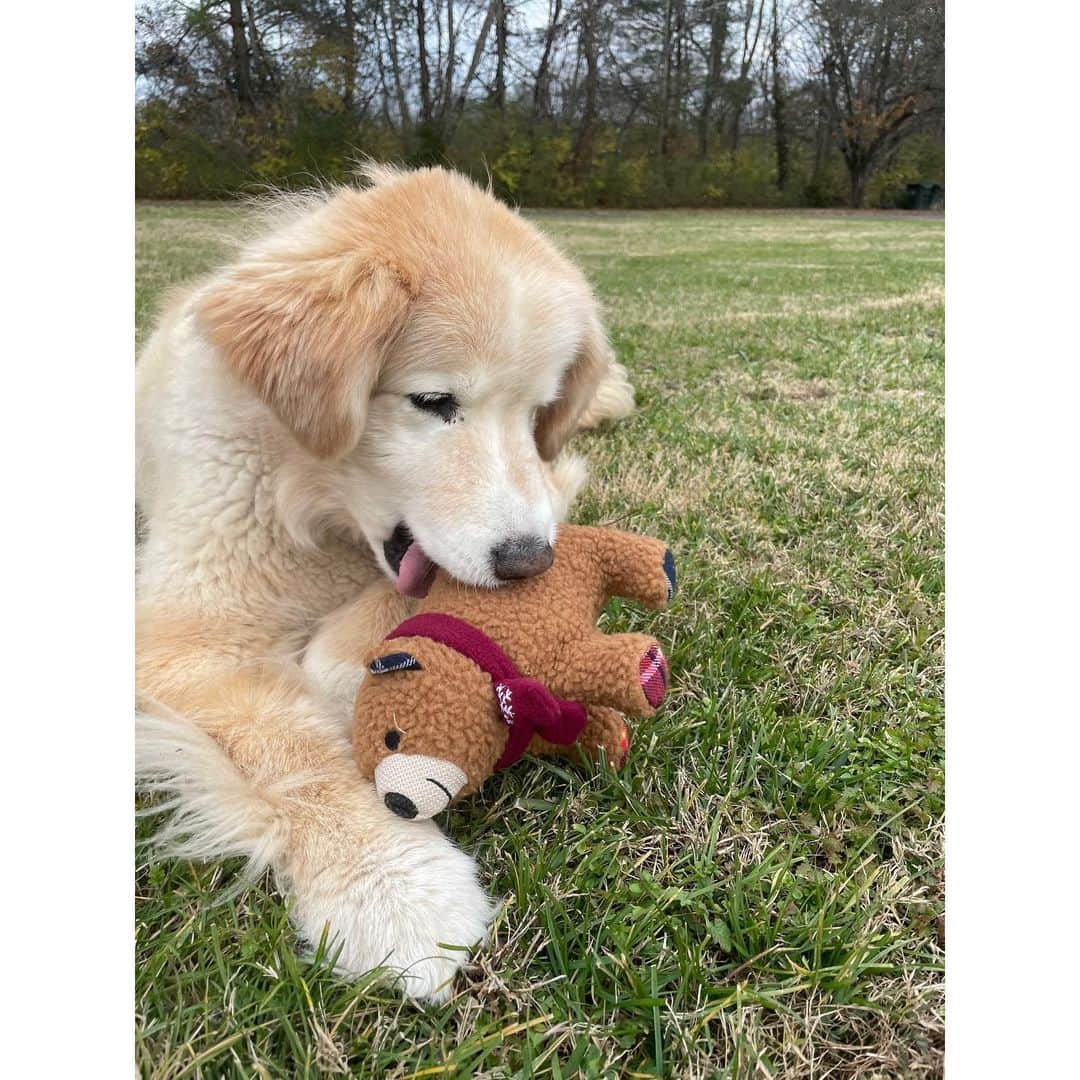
{"points": [[392, 740], [444, 406], [396, 661]]}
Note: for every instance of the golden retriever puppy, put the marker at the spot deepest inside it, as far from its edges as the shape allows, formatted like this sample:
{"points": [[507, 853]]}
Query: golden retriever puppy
{"points": [[381, 385]]}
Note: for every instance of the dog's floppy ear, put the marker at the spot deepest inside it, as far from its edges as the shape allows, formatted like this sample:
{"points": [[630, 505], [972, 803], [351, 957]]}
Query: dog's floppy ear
{"points": [[557, 423], [308, 332]]}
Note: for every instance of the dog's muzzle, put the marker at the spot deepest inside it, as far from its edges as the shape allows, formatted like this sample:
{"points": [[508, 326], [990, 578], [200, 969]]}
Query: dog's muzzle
{"points": [[415, 786]]}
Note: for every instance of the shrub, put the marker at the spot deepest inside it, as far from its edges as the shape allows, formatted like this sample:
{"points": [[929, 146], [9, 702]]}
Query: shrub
{"points": [[198, 149]]}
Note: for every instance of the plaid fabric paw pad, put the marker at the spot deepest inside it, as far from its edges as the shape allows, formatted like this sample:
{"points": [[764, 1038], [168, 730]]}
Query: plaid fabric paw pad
{"points": [[653, 675]]}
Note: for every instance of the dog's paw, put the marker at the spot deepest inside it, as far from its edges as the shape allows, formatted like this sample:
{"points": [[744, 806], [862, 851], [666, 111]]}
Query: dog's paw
{"points": [[411, 905]]}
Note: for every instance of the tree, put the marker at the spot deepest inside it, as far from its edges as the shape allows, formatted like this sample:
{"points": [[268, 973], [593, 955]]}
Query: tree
{"points": [[717, 21], [741, 87], [541, 96], [502, 16], [241, 58], [778, 101], [594, 101], [348, 57], [883, 63], [589, 52]]}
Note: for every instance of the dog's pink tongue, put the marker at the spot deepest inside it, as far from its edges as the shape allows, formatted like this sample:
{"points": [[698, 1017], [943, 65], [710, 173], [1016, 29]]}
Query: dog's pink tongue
{"points": [[416, 572]]}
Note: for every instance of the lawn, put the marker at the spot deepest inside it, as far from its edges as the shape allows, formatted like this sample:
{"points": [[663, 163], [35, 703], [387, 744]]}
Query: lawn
{"points": [[760, 892]]}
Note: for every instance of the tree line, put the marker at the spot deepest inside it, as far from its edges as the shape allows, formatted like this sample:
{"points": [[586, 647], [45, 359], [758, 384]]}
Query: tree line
{"points": [[559, 102]]}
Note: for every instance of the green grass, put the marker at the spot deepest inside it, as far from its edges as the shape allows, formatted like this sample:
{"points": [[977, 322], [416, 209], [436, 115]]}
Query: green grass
{"points": [[760, 892]]}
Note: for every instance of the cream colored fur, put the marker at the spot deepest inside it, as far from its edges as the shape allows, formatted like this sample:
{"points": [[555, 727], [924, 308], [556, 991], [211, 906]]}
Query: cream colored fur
{"points": [[277, 450]]}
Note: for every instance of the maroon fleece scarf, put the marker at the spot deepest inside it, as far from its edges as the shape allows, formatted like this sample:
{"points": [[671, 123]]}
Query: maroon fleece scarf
{"points": [[526, 705]]}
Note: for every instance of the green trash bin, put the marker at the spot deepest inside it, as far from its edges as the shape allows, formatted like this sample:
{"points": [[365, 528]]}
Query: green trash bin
{"points": [[925, 196]]}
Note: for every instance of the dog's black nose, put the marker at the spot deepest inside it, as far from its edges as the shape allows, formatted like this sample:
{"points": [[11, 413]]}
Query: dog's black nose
{"points": [[521, 557], [402, 805]]}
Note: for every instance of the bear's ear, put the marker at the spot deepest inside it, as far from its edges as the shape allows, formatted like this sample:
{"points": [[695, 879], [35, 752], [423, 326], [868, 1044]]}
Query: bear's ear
{"points": [[395, 661]]}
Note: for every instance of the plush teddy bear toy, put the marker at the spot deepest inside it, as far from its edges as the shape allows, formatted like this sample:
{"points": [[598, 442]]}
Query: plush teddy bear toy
{"points": [[479, 676]]}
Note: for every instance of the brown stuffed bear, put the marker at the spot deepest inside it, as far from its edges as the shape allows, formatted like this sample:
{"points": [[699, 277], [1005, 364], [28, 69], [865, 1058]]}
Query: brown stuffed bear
{"points": [[479, 676]]}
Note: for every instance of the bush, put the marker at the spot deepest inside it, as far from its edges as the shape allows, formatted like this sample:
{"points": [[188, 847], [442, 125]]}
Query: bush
{"points": [[197, 150], [921, 158]]}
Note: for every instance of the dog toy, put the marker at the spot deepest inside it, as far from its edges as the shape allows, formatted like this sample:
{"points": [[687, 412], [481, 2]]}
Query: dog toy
{"points": [[479, 676]]}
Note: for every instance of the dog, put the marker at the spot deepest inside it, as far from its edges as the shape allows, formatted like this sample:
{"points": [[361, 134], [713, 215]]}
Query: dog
{"points": [[381, 384]]}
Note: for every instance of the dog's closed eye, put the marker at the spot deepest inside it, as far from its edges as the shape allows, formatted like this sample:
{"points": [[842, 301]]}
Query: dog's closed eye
{"points": [[444, 406]]}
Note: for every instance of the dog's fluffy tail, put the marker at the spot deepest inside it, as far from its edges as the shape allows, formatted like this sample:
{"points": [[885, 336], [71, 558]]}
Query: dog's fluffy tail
{"points": [[614, 398], [209, 809]]}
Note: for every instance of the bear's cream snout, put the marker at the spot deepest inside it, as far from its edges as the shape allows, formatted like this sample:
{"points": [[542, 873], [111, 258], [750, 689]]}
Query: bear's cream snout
{"points": [[416, 786]]}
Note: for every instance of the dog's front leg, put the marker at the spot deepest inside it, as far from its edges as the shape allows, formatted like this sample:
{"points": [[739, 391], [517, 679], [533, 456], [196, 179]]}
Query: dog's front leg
{"points": [[333, 659], [256, 767]]}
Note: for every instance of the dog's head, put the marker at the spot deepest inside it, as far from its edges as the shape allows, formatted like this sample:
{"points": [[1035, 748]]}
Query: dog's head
{"points": [[426, 349], [428, 729]]}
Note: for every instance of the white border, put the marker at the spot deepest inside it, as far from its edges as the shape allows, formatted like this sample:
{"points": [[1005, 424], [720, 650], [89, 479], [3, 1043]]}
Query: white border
{"points": [[1011, 540], [67, 453]]}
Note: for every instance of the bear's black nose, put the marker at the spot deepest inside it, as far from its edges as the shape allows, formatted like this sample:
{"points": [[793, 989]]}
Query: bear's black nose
{"points": [[402, 805], [521, 557]]}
